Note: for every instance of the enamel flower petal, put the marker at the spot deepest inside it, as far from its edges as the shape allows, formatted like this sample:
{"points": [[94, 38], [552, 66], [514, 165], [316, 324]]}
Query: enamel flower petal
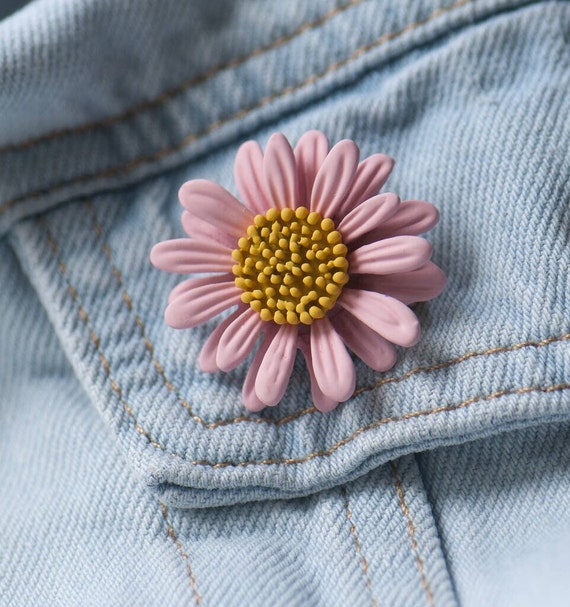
{"points": [[315, 259]]}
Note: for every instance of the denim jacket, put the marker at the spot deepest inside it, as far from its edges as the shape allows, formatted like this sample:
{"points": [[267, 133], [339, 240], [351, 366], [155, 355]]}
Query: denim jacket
{"points": [[130, 477]]}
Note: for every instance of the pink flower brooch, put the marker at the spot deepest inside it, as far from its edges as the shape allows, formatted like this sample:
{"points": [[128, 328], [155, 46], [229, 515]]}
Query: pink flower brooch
{"points": [[315, 261]]}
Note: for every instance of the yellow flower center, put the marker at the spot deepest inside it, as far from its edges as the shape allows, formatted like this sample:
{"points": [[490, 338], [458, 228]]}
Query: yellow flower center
{"points": [[291, 265]]}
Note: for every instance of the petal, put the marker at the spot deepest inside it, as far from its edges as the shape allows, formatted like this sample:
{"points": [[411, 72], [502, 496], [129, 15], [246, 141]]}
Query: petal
{"points": [[371, 175], [248, 175], [187, 256], [276, 367], [413, 217], [422, 284], [211, 203], [238, 340], [279, 171], [334, 178], [368, 216], [250, 399], [387, 316], [334, 369], [201, 301], [321, 401], [398, 254], [189, 283], [310, 153], [377, 352], [206, 232], [207, 358]]}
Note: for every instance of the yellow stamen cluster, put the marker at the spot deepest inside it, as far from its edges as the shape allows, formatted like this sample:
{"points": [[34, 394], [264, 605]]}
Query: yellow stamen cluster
{"points": [[291, 265]]}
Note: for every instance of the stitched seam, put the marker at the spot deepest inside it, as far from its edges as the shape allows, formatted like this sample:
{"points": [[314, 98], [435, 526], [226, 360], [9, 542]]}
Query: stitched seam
{"points": [[180, 548], [270, 461], [62, 267], [412, 534], [164, 97], [281, 421], [141, 160], [358, 546]]}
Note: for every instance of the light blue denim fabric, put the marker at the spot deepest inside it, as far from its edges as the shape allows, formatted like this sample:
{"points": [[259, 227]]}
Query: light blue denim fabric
{"points": [[129, 477]]}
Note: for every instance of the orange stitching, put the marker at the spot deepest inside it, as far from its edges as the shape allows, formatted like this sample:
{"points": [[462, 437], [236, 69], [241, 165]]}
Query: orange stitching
{"points": [[460, 359], [178, 90], [92, 336], [412, 533], [358, 546], [141, 160], [174, 537], [271, 461], [387, 420], [281, 421]]}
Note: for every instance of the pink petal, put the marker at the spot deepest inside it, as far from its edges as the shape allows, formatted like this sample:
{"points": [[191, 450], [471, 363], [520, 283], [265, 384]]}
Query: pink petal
{"points": [[279, 171], [334, 178], [377, 352], [199, 302], [276, 367], [210, 202], [371, 175], [368, 216], [207, 358], [310, 153], [422, 284], [332, 364], [250, 399], [248, 175], [321, 401], [398, 254], [187, 256], [189, 283], [413, 217], [387, 316], [238, 340], [200, 230]]}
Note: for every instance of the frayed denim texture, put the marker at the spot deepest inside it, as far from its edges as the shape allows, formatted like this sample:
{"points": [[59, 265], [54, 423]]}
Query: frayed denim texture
{"points": [[129, 476]]}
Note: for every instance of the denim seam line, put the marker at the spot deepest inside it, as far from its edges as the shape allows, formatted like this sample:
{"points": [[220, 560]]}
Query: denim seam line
{"points": [[115, 387], [411, 528], [169, 384], [169, 94], [180, 548], [164, 152], [358, 546]]}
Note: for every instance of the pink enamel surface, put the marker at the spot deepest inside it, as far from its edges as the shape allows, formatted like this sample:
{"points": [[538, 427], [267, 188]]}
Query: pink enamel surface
{"points": [[333, 367], [414, 217], [371, 175], [321, 401], [279, 171], [310, 153], [211, 203], [250, 399], [387, 316], [192, 283], [207, 359], [199, 302], [238, 340], [248, 175], [334, 178], [422, 284], [368, 216], [200, 230], [276, 367], [188, 256], [398, 254], [377, 352]]}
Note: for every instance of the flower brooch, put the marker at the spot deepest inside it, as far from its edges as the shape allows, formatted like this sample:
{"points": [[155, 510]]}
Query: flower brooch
{"points": [[316, 260]]}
